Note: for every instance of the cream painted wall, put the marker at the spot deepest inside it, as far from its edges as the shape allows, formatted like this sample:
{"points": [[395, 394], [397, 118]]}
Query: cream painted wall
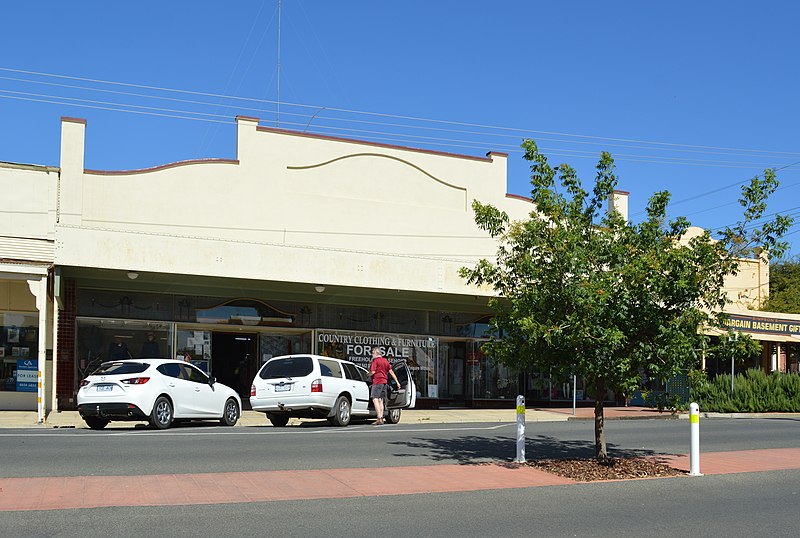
{"points": [[750, 287], [294, 208], [16, 296], [27, 206]]}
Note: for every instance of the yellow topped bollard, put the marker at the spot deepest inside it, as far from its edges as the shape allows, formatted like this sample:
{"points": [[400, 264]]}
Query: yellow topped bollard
{"points": [[520, 429], [694, 449]]}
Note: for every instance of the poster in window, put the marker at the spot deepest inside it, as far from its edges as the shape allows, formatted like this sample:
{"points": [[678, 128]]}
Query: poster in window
{"points": [[12, 335], [30, 334]]}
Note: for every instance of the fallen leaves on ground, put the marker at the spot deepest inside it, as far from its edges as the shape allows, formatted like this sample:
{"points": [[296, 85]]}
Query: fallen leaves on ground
{"points": [[589, 469]]}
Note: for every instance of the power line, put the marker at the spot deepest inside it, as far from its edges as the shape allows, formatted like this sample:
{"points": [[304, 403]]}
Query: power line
{"points": [[521, 131], [353, 120], [461, 142], [725, 187], [394, 133], [371, 134]]}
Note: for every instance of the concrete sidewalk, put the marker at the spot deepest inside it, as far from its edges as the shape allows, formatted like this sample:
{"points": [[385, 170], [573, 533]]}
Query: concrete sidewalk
{"points": [[71, 419]]}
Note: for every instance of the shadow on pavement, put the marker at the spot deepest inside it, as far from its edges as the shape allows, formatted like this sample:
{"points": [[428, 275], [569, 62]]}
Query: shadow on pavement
{"points": [[470, 450]]}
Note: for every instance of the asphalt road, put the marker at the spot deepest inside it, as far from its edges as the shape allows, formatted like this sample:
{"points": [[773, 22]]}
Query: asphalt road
{"points": [[746, 505], [197, 449]]}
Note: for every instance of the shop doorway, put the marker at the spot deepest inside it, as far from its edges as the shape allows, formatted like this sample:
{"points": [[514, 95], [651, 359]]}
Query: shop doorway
{"points": [[451, 374], [234, 360]]}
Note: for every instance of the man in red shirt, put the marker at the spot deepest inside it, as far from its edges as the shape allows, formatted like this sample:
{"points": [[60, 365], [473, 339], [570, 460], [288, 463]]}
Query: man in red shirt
{"points": [[380, 369]]}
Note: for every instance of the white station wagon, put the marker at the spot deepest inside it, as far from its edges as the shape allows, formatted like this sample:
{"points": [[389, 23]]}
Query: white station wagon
{"points": [[313, 386]]}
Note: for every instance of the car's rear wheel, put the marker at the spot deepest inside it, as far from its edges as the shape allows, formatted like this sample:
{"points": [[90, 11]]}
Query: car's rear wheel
{"points": [[96, 423], [279, 421], [341, 412], [161, 416], [231, 413], [393, 416]]}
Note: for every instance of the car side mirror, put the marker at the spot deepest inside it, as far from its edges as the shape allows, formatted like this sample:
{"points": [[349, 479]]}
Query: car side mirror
{"points": [[212, 380]]}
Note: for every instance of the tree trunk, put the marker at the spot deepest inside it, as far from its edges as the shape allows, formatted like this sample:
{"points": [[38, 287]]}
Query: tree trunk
{"points": [[600, 452]]}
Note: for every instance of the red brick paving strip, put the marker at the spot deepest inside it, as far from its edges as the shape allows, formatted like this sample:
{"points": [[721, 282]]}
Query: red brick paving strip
{"points": [[53, 493], [739, 461]]}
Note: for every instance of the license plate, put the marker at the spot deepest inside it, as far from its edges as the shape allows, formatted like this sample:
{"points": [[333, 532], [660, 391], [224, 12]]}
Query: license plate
{"points": [[283, 387], [105, 388]]}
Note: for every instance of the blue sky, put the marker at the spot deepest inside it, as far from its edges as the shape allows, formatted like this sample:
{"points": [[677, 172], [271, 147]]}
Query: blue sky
{"points": [[690, 97]]}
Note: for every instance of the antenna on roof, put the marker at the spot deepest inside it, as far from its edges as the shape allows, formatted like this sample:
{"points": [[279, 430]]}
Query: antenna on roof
{"points": [[278, 119]]}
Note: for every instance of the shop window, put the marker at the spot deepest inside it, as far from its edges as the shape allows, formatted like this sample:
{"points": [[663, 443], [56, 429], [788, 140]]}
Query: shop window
{"points": [[793, 358], [489, 379], [275, 345], [19, 352], [100, 340], [244, 312], [124, 304], [419, 352], [540, 386], [194, 347]]}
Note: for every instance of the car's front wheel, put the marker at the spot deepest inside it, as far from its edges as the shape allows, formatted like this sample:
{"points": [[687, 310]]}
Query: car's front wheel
{"points": [[341, 412], [96, 423], [231, 413], [279, 421], [161, 416], [393, 416]]}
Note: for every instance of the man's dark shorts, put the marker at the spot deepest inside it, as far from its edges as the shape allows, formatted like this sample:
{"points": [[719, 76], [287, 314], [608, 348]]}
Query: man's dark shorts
{"points": [[378, 391]]}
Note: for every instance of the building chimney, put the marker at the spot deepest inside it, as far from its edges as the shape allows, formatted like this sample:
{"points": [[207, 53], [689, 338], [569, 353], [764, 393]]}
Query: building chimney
{"points": [[618, 201]]}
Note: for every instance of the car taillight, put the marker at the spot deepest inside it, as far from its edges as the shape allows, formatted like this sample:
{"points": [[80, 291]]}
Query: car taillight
{"points": [[316, 386], [252, 390], [136, 380], [84, 382]]}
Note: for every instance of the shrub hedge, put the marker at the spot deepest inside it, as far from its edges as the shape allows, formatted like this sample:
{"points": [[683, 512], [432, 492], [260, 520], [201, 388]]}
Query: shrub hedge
{"points": [[755, 391]]}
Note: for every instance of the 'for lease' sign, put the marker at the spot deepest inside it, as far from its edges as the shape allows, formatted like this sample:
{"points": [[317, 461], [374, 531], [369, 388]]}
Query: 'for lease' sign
{"points": [[27, 375]]}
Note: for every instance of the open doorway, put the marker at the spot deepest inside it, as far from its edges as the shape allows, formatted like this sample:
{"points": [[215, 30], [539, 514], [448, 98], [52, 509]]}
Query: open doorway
{"points": [[234, 360]]}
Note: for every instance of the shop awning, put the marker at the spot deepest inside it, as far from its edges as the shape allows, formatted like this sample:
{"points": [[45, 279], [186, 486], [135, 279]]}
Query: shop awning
{"points": [[762, 337]]}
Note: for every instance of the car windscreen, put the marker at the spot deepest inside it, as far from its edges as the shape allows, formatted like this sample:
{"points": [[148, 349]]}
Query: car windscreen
{"points": [[118, 368], [287, 367]]}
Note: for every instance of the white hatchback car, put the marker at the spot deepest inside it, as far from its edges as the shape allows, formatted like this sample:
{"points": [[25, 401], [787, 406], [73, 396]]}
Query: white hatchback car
{"points": [[157, 390], [313, 386]]}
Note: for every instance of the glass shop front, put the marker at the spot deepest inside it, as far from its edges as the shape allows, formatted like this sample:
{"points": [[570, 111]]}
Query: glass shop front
{"points": [[232, 338]]}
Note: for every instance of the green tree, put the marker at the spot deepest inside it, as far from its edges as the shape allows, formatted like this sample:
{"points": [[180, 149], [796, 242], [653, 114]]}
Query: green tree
{"points": [[580, 290], [784, 287]]}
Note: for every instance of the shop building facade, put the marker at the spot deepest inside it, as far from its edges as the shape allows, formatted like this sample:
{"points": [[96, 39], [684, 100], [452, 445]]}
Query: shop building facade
{"points": [[302, 243], [27, 255], [779, 335]]}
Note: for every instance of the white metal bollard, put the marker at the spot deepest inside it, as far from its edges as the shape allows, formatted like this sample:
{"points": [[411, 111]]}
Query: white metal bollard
{"points": [[694, 452], [520, 429]]}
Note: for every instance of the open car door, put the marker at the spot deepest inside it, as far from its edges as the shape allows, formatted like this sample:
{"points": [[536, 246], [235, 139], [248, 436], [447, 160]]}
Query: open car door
{"points": [[406, 396]]}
